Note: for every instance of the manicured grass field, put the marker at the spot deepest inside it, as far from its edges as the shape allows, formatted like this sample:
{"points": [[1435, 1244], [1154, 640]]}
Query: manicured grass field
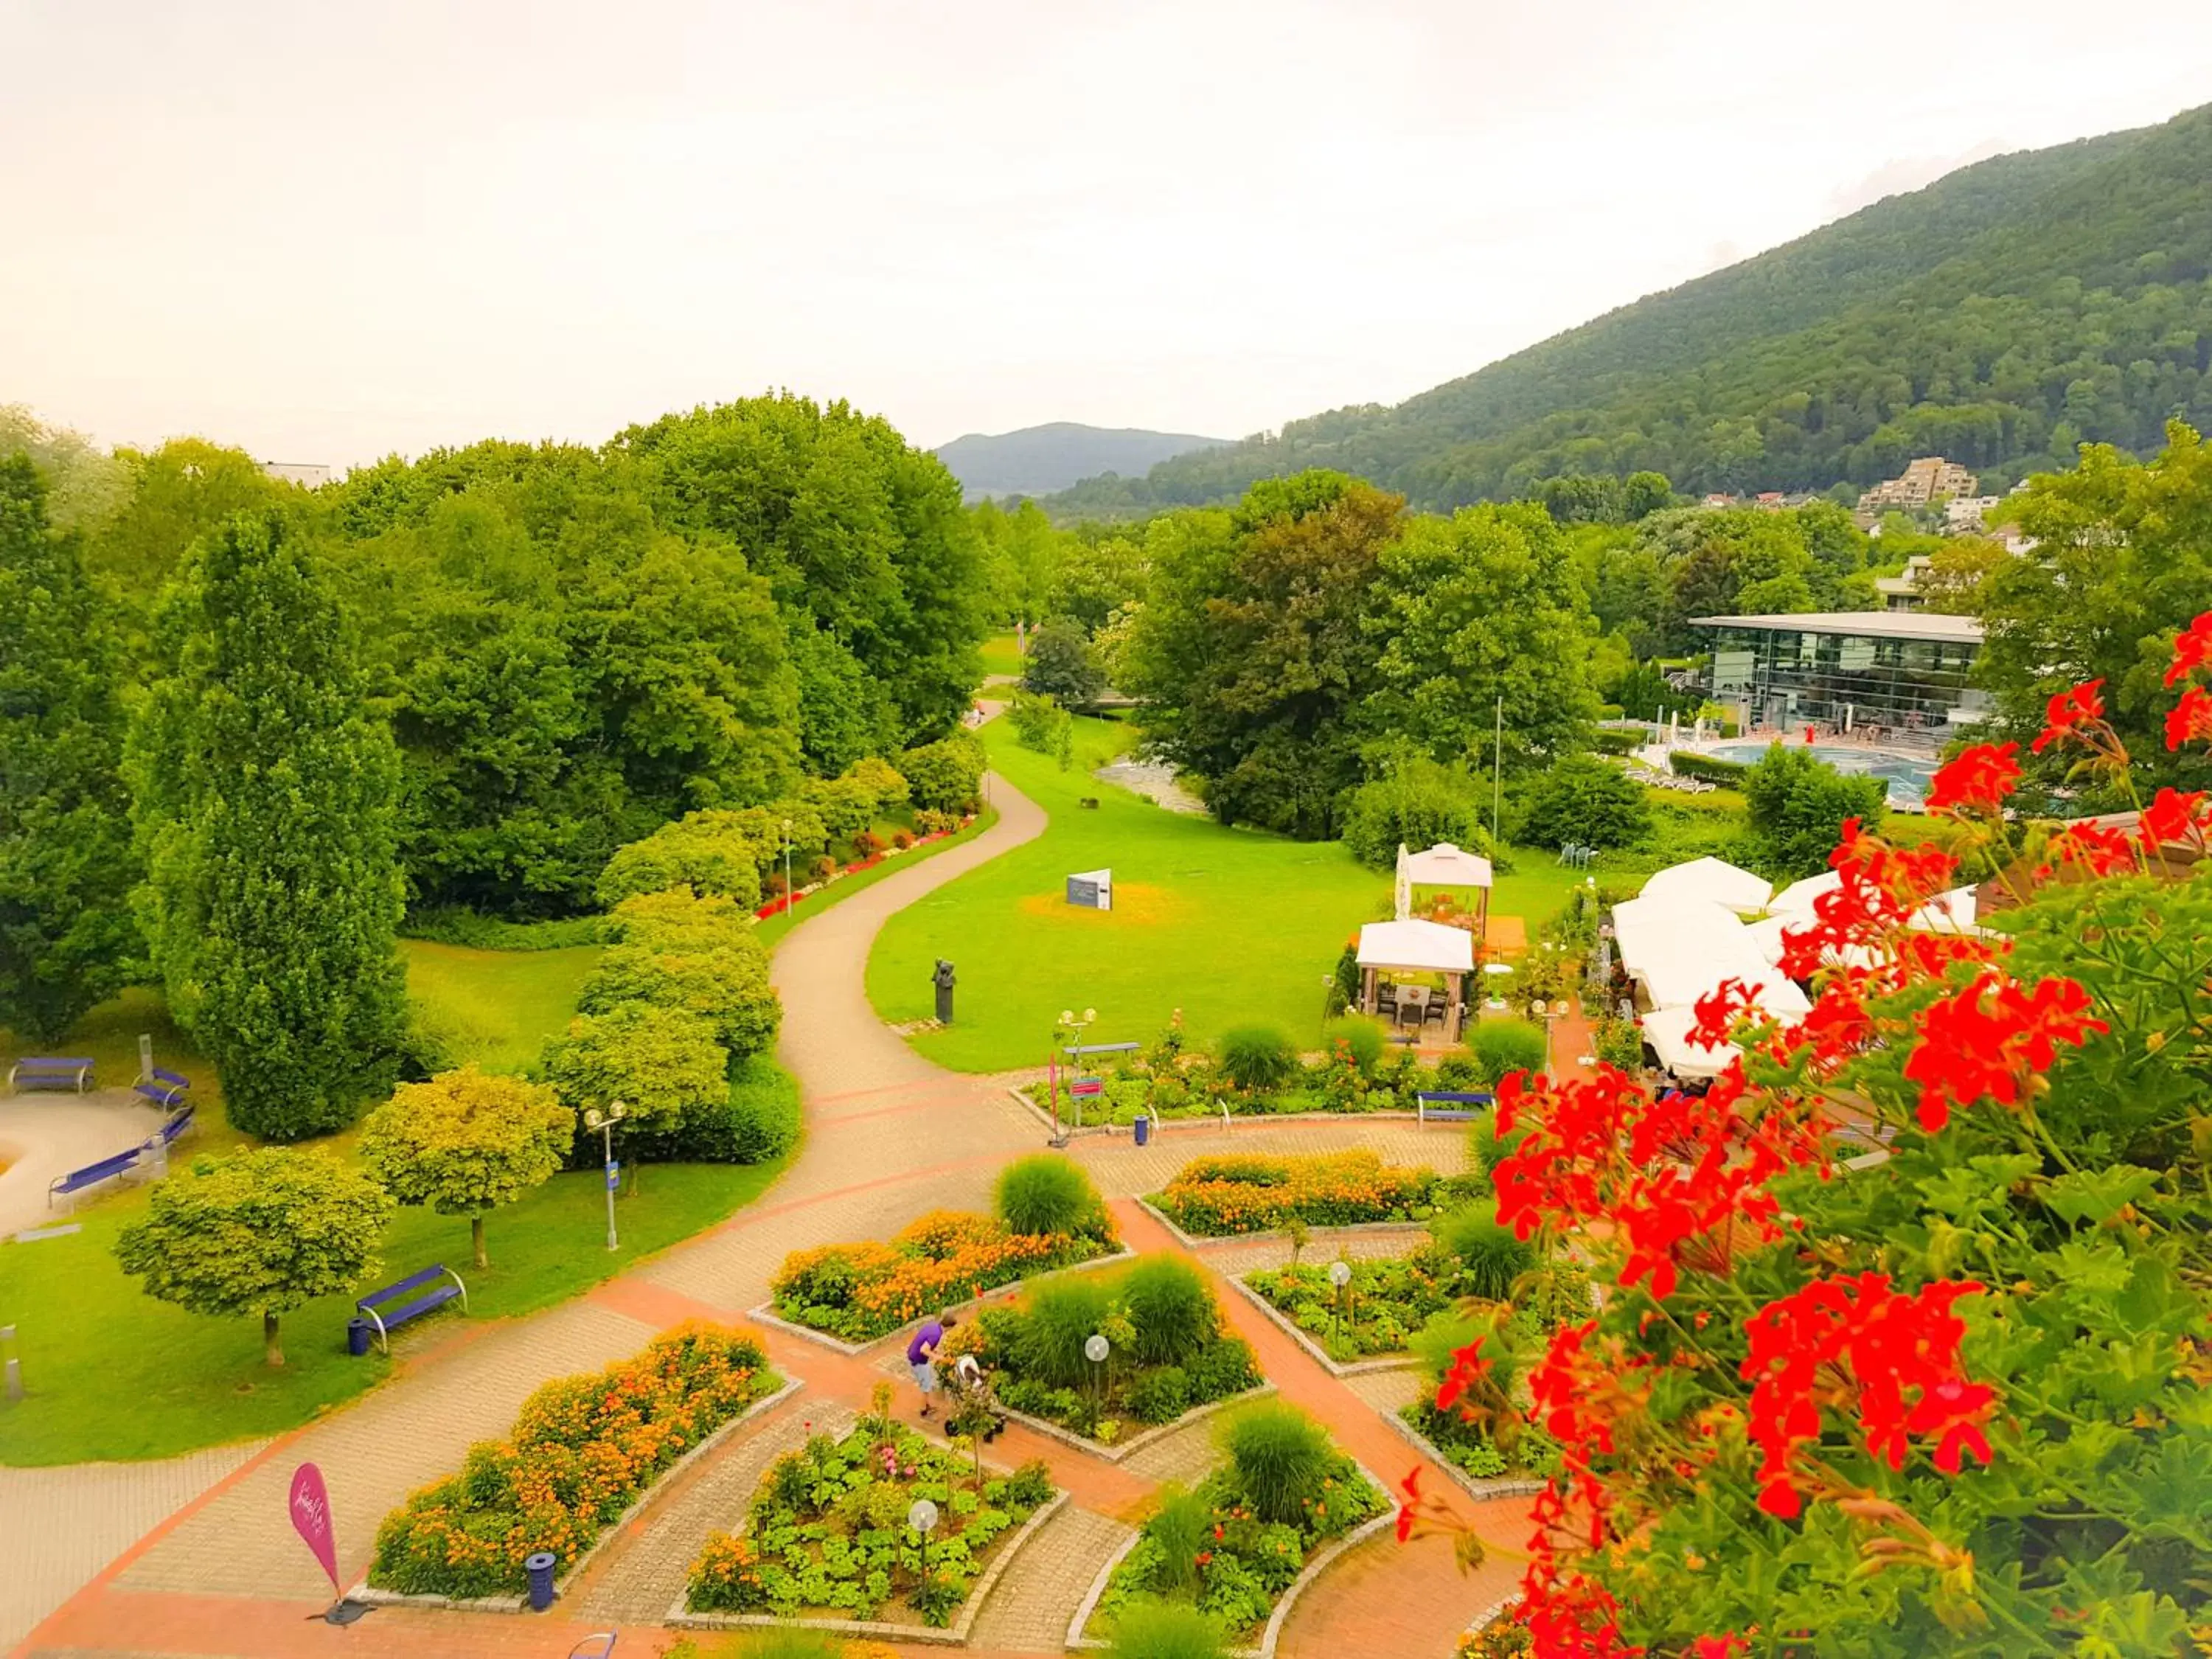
{"points": [[112, 1374], [495, 1007]]}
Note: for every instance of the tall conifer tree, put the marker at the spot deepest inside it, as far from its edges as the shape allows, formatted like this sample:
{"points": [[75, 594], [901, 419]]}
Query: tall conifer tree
{"points": [[266, 808], [66, 935]]}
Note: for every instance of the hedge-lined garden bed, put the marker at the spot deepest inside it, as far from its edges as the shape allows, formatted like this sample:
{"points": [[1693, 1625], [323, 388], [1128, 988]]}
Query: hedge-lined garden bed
{"points": [[1048, 1216], [827, 1534], [1167, 1352], [1221, 1197], [582, 1451], [1232, 1545]]}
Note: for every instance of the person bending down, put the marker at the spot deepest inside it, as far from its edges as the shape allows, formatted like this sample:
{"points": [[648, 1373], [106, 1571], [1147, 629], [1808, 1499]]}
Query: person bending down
{"points": [[922, 1355]]}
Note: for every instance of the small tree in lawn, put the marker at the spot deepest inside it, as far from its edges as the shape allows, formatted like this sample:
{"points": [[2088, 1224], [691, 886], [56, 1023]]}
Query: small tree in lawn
{"points": [[465, 1142], [657, 1061], [261, 1231]]}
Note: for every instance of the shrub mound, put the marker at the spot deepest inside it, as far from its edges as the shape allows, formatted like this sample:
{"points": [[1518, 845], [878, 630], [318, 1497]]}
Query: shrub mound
{"points": [[1215, 1196], [827, 1535], [580, 1452], [1230, 1548], [1167, 1352]]}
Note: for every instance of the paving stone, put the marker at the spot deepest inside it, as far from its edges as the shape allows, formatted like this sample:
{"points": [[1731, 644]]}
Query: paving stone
{"points": [[1029, 1610]]}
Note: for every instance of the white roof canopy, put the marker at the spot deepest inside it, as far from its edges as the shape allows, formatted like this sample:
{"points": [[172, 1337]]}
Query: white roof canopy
{"points": [[1952, 912], [1442, 865], [1714, 880], [1424, 947], [1694, 968], [1646, 929], [1797, 897], [1667, 1031]]}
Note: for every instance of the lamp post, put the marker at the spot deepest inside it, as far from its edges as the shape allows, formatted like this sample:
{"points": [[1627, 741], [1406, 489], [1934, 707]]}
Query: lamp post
{"points": [[787, 864], [1095, 1350], [1339, 1274], [605, 1123], [923, 1518], [1547, 1011]]}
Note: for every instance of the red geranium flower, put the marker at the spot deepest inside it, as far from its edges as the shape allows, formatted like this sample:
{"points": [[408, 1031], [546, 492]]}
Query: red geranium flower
{"points": [[1989, 1038], [1979, 777], [2193, 649], [1469, 1367], [2068, 712], [2172, 816], [2191, 718]]}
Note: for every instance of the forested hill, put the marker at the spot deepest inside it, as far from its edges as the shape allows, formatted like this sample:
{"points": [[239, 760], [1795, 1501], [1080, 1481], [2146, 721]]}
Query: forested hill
{"points": [[1040, 458], [2001, 316]]}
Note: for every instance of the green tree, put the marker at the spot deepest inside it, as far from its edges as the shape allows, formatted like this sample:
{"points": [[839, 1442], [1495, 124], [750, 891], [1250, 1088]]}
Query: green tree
{"points": [[1474, 611], [66, 863], [945, 776], [1585, 801], [1797, 804], [85, 485], [1252, 653], [264, 803], [1060, 665], [1417, 804], [261, 1231], [179, 493], [726, 986], [1645, 494], [1096, 578], [658, 1062], [464, 1143]]}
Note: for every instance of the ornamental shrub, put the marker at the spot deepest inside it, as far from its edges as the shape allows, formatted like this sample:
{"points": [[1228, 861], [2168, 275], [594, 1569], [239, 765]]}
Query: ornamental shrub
{"points": [[1417, 805], [1586, 802], [658, 1062], [1258, 1057], [1491, 1258], [1363, 1037], [1151, 1629], [676, 919], [726, 986], [1061, 1314], [945, 776], [1172, 1306], [1279, 1455], [1160, 1395], [756, 1121], [1797, 804], [1501, 1047], [1045, 1194], [708, 853]]}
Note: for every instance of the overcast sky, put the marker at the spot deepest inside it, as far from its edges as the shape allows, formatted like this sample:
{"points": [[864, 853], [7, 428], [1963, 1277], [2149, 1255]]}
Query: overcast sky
{"points": [[325, 231]]}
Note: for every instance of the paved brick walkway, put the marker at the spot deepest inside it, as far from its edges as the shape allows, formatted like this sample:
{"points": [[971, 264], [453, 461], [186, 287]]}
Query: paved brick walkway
{"points": [[889, 1136]]}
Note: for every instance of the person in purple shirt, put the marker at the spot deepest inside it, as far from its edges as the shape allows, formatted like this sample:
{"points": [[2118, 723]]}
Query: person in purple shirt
{"points": [[922, 1355]]}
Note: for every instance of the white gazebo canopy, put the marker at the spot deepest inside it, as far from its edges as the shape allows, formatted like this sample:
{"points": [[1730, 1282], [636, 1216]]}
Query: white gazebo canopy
{"points": [[1667, 1031], [1645, 929], [1441, 866], [1420, 947], [1797, 899], [1766, 933], [1680, 976], [1715, 880]]}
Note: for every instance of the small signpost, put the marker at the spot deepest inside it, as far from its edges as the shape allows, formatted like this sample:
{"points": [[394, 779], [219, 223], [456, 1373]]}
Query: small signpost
{"points": [[1091, 890]]}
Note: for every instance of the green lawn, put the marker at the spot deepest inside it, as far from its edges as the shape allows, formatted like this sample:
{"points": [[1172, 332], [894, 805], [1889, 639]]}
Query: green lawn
{"points": [[495, 1007], [1231, 926], [1002, 655], [838, 891], [112, 1374]]}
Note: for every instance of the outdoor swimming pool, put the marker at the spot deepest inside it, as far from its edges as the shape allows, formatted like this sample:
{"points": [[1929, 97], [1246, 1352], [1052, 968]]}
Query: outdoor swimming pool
{"points": [[1908, 778]]}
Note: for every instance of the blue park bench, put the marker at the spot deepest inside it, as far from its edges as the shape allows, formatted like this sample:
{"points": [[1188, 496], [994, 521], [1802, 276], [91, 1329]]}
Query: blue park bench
{"points": [[1450, 1107], [164, 1089], [30, 1073], [385, 1319], [93, 1174], [165, 1136]]}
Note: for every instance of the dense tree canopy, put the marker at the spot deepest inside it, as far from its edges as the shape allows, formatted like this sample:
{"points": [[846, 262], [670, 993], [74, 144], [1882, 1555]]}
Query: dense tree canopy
{"points": [[66, 863]]}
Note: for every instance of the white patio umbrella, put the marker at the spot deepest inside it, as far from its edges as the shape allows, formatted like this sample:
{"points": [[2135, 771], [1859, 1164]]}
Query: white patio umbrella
{"points": [[1645, 928], [1667, 1031], [1952, 912], [1766, 935], [1797, 897], [1714, 880], [1696, 970]]}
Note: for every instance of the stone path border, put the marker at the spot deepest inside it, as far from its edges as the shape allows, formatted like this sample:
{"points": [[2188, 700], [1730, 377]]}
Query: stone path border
{"points": [[1020, 1093], [384, 1598], [1135, 1442], [681, 1617], [1318, 1354], [1495, 1487]]}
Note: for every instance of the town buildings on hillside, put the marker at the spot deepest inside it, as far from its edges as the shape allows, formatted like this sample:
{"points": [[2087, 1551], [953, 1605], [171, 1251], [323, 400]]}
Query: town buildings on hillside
{"points": [[1924, 482]]}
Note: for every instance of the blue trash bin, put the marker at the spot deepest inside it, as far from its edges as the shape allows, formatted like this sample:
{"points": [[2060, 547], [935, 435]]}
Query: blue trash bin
{"points": [[1144, 1130], [540, 1569], [356, 1337]]}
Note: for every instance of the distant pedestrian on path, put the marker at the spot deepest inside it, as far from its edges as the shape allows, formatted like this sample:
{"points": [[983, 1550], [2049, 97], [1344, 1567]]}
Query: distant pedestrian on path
{"points": [[922, 1355]]}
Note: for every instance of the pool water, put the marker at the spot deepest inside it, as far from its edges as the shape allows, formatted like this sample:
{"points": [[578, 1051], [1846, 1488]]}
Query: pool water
{"points": [[1908, 777]]}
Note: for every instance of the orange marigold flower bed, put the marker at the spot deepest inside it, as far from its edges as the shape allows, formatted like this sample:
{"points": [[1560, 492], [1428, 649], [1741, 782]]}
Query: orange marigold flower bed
{"points": [[1213, 1196], [860, 1291], [581, 1450]]}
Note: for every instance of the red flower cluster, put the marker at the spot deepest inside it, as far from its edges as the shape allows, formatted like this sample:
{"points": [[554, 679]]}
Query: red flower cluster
{"points": [[1976, 780], [2068, 713], [2190, 719], [1988, 1039], [2192, 650], [1893, 1358], [1467, 1372]]}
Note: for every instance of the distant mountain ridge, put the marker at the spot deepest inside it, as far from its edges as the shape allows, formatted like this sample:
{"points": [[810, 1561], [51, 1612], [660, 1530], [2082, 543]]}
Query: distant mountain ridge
{"points": [[1999, 316], [1039, 460]]}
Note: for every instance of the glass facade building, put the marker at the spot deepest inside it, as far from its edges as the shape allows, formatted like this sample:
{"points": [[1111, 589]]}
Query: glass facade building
{"points": [[1891, 677]]}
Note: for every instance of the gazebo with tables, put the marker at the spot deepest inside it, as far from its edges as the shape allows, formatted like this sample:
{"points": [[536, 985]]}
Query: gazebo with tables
{"points": [[1416, 947]]}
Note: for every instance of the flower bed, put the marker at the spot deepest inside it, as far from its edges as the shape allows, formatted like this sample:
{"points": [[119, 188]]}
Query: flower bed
{"points": [[1216, 1197], [1232, 1545], [1377, 1312], [1168, 1353], [582, 1451], [858, 1292], [827, 1535]]}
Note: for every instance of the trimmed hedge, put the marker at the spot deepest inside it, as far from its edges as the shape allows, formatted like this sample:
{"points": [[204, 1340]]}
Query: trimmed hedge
{"points": [[1711, 769]]}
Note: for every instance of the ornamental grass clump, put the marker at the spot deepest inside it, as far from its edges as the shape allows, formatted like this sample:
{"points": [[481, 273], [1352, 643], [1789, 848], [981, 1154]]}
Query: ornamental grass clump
{"points": [[1045, 1194], [1063, 1313], [1171, 1308], [1258, 1057], [581, 1450], [1490, 1259], [1281, 1455], [1148, 1629], [1937, 1399]]}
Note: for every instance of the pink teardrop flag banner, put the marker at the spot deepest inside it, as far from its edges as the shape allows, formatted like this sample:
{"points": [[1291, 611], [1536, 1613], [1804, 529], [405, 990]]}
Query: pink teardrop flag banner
{"points": [[311, 1518]]}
